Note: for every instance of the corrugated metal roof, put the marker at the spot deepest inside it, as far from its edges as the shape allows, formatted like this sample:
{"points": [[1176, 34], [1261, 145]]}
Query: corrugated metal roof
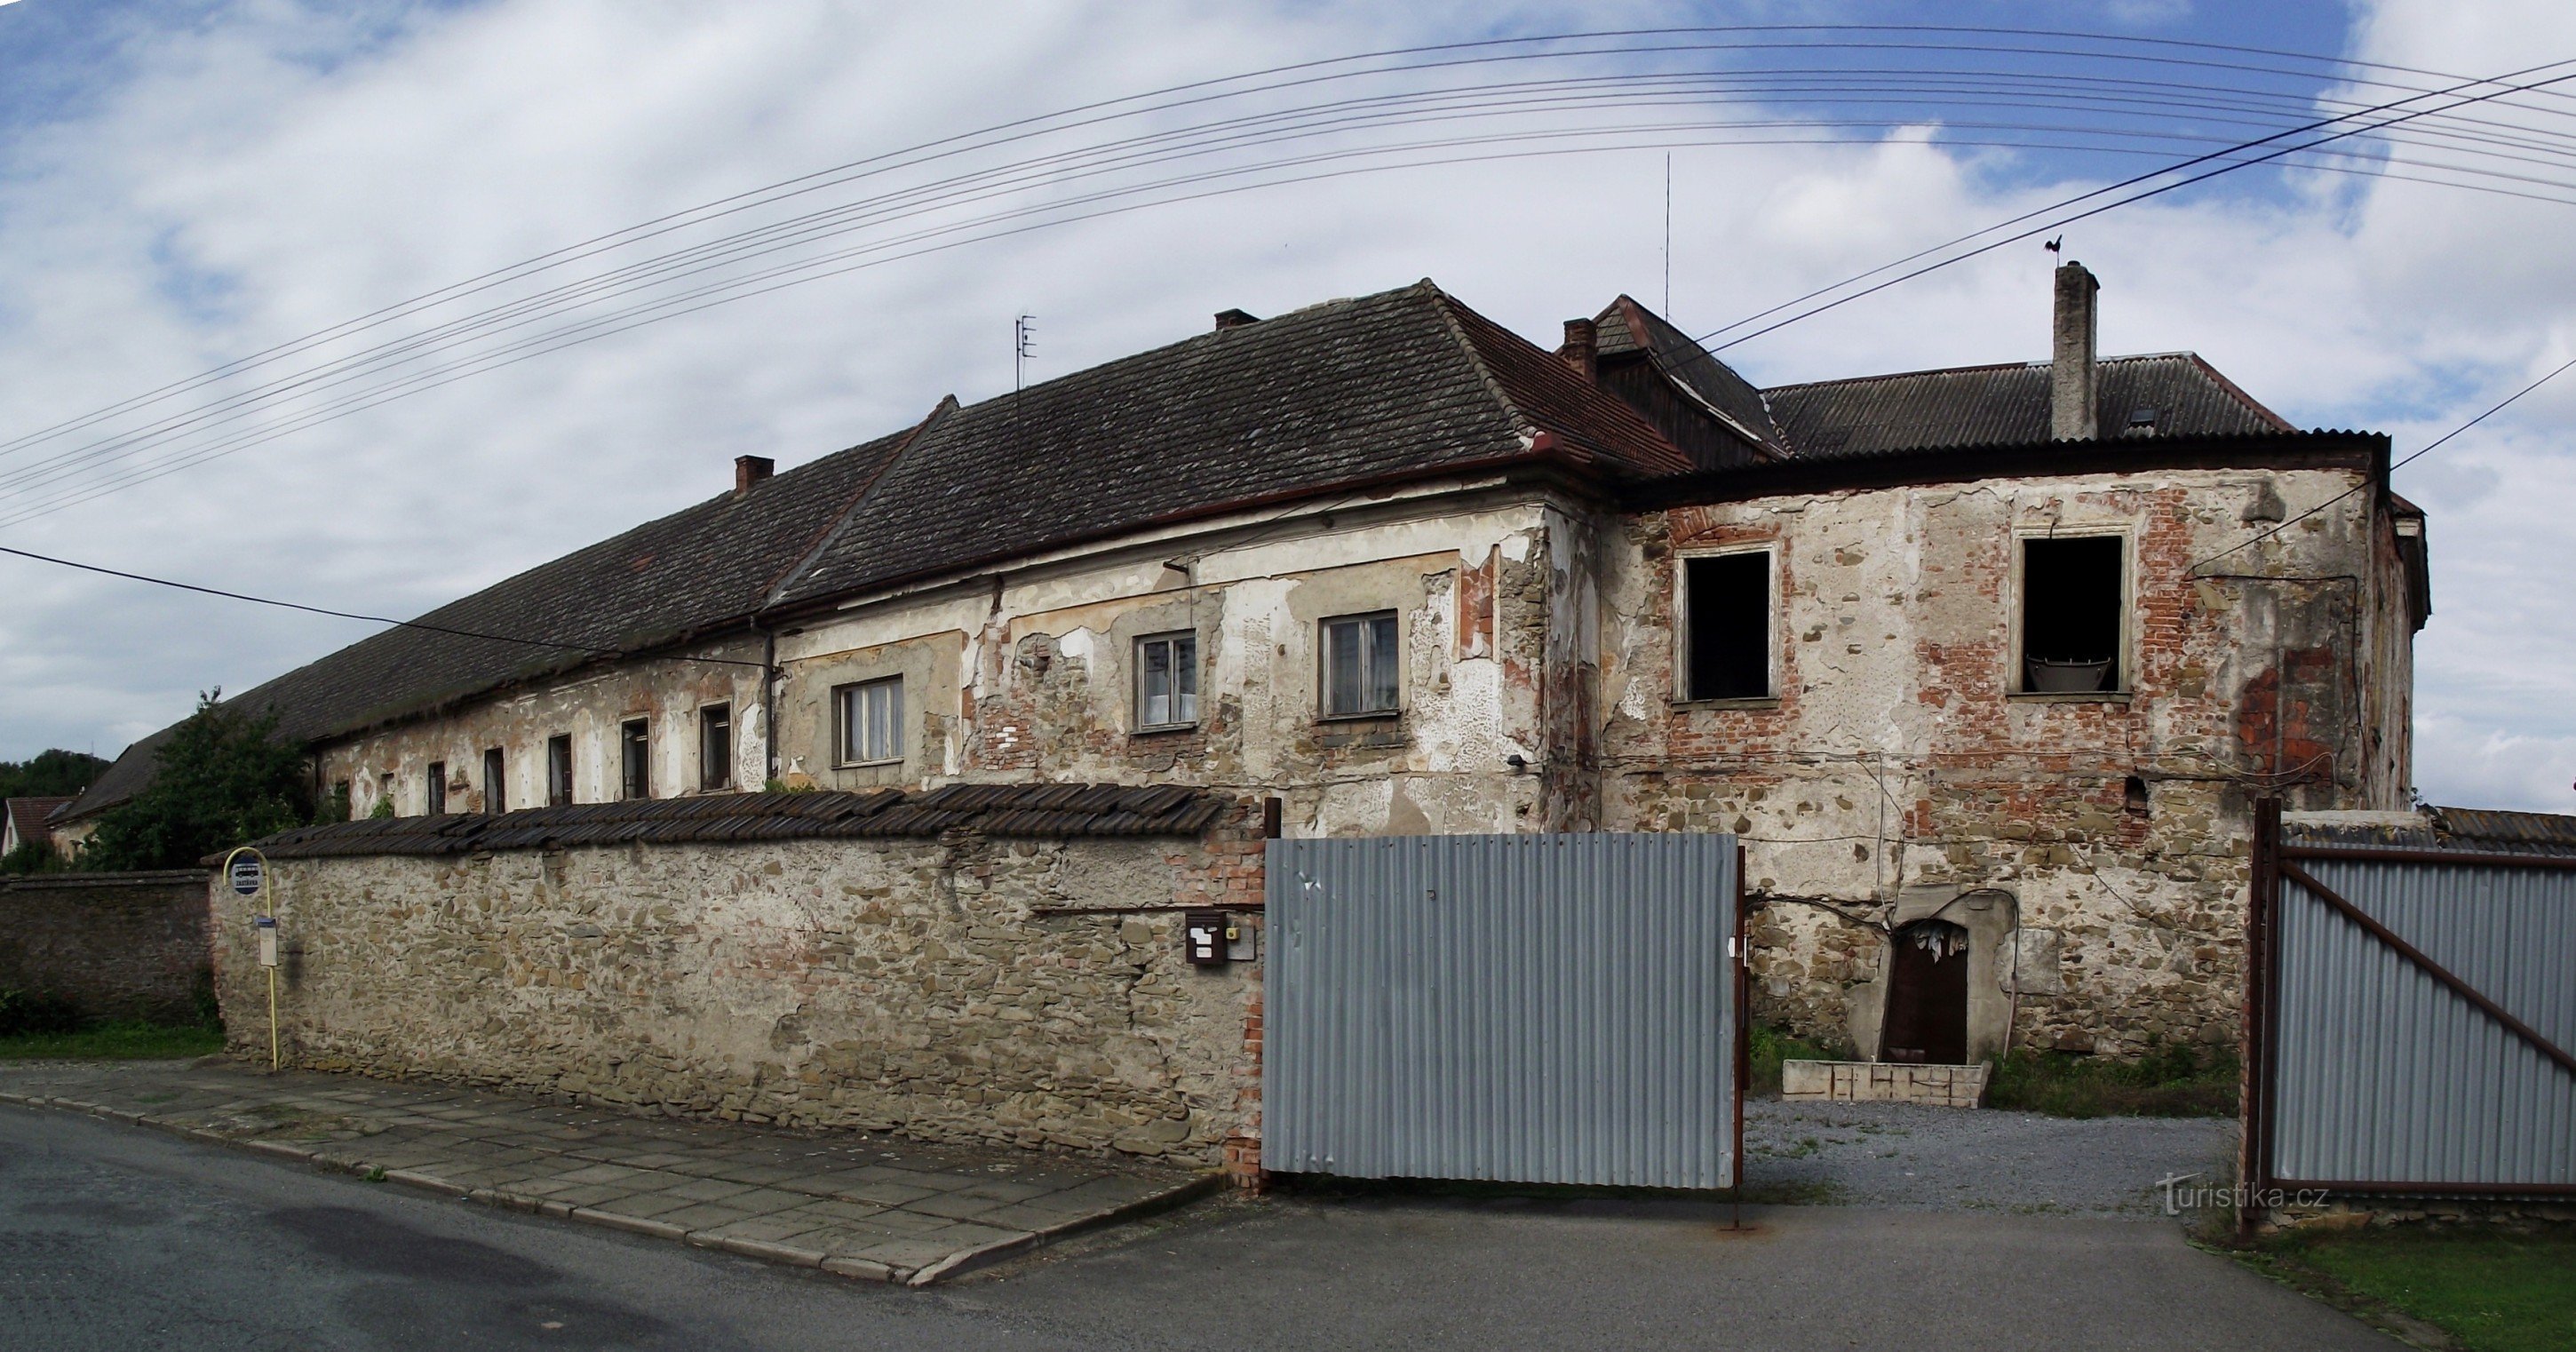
{"points": [[2007, 405], [987, 809]]}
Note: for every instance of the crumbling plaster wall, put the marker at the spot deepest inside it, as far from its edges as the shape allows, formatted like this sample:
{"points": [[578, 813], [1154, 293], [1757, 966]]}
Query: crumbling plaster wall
{"points": [[969, 989], [669, 693], [1032, 677], [1895, 763]]}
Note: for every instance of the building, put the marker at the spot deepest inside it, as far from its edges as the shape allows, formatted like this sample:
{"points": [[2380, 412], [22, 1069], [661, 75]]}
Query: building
{"points": [[25, 820], [1986, 665]]}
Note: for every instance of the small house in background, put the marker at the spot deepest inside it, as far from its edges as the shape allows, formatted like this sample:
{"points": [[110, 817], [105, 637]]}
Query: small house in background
{"points": [[28, 819]]}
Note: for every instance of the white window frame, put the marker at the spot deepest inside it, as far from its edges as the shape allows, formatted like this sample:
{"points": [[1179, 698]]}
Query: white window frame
{"points": [[849, 750], [1175, 671], [1367, 620], [1774, 614], [627, 787], [2125, 679], [559, 774]]}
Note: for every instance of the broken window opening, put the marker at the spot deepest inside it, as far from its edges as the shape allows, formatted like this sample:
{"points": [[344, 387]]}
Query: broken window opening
{"points": [[871, 718], [1167, 681], [437, 781], [2074, 604], [559, 770], [1361, 672], [1727, 616], [715, 747], [494, 800], [635, 758]]}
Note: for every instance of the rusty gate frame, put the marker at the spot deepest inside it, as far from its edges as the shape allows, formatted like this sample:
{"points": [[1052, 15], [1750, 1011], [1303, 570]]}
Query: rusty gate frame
{"points": [[2276, 862]]}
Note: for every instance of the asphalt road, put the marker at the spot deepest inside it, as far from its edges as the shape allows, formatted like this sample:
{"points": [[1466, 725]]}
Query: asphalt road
{"points": [[116, 1237]]}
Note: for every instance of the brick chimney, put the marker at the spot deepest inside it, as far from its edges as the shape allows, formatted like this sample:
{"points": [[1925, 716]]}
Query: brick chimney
{"points": [[751, 469], [1235, 319], [1582, 349], [2072, 415]]}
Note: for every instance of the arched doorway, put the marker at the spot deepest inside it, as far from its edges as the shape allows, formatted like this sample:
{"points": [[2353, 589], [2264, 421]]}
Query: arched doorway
{"points": [[1927, 996]]}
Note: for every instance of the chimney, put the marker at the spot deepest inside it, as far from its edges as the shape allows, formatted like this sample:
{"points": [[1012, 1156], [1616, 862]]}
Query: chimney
{"points": [[751, 469], [1234, 319], [2071, 412], [1582, 349]]}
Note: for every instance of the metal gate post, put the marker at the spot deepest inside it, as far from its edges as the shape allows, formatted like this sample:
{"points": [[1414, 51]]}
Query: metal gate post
{"points": [[1743, 1038], [2262, 916]]}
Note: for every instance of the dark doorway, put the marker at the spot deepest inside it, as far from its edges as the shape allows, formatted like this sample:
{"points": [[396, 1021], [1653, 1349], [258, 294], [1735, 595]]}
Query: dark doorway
{"points": [[1927, 996]]}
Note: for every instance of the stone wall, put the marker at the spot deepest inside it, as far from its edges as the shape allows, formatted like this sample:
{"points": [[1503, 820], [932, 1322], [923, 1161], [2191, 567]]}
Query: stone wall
{"points": [[2094, 845], [118, 945], [1031, 992]]}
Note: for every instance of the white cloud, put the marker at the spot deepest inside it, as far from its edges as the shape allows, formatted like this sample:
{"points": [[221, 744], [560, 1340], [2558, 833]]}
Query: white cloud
{"points": [[286, 165]]}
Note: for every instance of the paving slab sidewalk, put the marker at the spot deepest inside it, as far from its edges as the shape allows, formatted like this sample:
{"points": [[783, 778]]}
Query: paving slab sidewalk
{"points": [[860, 1205]]}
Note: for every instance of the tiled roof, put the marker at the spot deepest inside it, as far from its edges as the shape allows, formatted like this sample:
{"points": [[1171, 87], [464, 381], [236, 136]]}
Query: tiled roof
{"points": [[27, 816], [1402, 383], [699, 569], [1044, 810], [2004, 405], [1627, 327], [2507, 832]]}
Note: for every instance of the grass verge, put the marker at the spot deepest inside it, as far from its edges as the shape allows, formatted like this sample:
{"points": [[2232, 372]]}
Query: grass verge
{"points": [[2488, 1290], [115, 1042], [2174, 1082]]}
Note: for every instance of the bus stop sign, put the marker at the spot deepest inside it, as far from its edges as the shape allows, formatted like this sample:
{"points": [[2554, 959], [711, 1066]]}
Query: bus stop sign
{"points": [[247, 872]]}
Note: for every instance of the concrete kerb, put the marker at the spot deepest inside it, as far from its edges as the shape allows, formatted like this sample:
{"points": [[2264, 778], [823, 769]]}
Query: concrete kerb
{"points": [[858, 1269]]}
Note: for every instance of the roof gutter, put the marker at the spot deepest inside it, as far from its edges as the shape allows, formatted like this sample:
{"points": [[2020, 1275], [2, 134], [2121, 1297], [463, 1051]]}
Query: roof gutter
{"points": [[2363, 451]]}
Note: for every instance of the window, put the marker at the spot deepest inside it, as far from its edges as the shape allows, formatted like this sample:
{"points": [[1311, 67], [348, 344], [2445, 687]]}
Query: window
{"points": [[494, 800], [1167, 681], [559, 769], [871, 717], [340, 798], [2073, 596], [715, 746], [1360, 674], [635, 759], [1726, 621], [437, 787]]}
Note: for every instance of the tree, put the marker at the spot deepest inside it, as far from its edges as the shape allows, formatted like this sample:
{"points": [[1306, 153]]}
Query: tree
{"points": [[225, 779], [50, 774]]}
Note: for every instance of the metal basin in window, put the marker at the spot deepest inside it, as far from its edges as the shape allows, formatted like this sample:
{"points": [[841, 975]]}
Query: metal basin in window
{"points": [[2053, 676]]}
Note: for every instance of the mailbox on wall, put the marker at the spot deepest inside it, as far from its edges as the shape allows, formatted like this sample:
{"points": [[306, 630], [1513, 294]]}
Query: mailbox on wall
{"points": [[1203, 937]]}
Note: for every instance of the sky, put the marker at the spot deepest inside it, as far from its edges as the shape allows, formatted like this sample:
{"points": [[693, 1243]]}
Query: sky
{"points": [[186, 183]]}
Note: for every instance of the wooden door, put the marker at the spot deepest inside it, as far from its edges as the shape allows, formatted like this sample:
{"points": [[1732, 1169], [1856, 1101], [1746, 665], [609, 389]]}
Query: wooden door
{"points": [[1927, 996]]}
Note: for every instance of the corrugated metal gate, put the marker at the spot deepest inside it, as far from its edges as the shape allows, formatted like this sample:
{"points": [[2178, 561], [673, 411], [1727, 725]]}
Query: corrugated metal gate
{"points": [[2413, 1015], [1530, 1008]]}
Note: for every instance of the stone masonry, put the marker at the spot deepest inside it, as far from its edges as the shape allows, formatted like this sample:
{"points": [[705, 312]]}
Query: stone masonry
{"points": [[961, 989]]}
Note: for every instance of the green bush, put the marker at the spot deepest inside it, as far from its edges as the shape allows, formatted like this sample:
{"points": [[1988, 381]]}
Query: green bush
{"points": [[1772, 1046], [22, 1014], [225, 778], [34, 856], [2171, 1081]]}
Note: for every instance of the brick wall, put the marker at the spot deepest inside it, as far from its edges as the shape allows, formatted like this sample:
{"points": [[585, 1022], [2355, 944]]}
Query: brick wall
{"points": [[1029, 992], [119, 945]]}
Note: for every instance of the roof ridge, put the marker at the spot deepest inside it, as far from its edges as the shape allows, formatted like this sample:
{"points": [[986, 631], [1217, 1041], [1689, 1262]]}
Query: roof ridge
{"points": [[777, 587], [1442, 303]]}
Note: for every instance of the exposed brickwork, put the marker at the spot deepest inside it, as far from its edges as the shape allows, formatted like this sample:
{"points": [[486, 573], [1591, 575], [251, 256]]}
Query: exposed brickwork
{"points": [[121, 945]]}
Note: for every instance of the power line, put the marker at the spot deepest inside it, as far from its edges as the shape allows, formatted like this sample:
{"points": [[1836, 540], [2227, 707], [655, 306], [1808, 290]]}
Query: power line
{"points": [[2224, 168], [1197, 88], [2419, 454], [40, 474], [592, 649]]}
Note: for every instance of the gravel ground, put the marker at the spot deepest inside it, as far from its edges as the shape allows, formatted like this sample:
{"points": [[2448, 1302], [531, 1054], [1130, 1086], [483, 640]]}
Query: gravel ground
{"points": [[1915, 1157]]}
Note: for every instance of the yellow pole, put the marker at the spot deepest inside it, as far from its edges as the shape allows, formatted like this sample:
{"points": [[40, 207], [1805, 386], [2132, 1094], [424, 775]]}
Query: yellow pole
{"points": [[272, 1018]]}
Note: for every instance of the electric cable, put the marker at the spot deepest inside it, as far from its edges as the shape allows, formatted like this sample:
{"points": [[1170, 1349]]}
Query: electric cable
{"points": [[2021, 51]]}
